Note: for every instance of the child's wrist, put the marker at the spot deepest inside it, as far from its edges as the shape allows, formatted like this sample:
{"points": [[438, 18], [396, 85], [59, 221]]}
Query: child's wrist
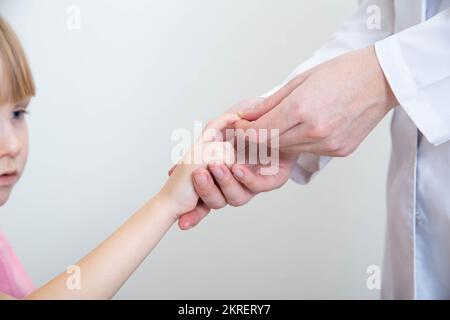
{"points": [[163, 201]]}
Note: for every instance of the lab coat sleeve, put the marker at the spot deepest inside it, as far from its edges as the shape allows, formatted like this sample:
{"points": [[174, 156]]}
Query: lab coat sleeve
{"points": [[356, 33], [416, 63]]}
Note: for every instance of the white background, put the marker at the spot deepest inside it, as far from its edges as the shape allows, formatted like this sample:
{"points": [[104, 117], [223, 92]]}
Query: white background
{"points": [[109, 97]]}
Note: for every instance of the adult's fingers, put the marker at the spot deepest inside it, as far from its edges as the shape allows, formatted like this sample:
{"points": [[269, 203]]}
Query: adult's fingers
{"points": [[242, 105], [192, 218], [232, 190], [299, 134], [217, 125], [281, 118], [255, 182], [272, 101], [207, 190]]}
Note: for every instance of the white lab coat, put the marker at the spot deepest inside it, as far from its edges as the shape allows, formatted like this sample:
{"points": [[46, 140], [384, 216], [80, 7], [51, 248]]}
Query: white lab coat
{"points": [[414, 54]]}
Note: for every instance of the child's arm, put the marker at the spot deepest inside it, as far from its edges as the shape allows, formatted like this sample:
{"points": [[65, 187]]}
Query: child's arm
{"points": [[107, 267]]}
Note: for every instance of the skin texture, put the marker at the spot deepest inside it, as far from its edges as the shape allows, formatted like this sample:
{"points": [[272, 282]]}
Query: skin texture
{"points": [[328, 110], [104, 270]]}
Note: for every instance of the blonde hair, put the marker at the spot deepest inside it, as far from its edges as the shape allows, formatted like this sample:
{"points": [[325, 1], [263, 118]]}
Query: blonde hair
{"points": [[16, 80]]}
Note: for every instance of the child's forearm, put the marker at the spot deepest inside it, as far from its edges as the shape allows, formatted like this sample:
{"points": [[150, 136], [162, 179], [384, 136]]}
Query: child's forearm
{"points": [[107, 267]]}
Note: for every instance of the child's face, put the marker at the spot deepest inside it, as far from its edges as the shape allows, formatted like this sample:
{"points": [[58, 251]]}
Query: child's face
{"points": [[13, 146]]}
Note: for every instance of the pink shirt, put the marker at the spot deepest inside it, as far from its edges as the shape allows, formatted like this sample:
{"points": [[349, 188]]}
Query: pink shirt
{"points": [[13, 279]]}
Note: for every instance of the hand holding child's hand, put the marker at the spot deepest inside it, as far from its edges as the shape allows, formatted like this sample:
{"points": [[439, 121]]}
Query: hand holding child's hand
{"points": [[231, 188], [210, 148]]}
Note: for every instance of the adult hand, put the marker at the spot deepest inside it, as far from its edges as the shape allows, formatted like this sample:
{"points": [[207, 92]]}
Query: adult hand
{"points": [[218, 186], [328, 110]]}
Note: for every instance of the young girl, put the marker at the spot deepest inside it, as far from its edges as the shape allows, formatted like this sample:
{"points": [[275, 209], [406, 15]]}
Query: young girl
{"points": [[103, 271]]}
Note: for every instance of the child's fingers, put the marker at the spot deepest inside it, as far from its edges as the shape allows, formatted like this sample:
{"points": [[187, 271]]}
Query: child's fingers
{"points": [[216, 126], [192, 218]]}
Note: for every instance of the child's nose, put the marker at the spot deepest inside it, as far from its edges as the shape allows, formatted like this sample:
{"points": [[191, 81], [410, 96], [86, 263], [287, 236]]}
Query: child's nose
{"points": [[9, 142]]}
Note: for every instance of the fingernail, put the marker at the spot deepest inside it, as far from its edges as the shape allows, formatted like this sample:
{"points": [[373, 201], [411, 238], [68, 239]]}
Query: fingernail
{"points": [[217, 172], [200, 179], [187, 226], [246, 110], [238, 173]]}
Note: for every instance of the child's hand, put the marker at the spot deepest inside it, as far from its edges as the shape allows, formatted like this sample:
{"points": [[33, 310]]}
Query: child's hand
{"points": [[211, 147]]}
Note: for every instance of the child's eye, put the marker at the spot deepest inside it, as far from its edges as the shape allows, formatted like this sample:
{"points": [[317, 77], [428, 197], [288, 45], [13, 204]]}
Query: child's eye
{"points": [[19, 114]]}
